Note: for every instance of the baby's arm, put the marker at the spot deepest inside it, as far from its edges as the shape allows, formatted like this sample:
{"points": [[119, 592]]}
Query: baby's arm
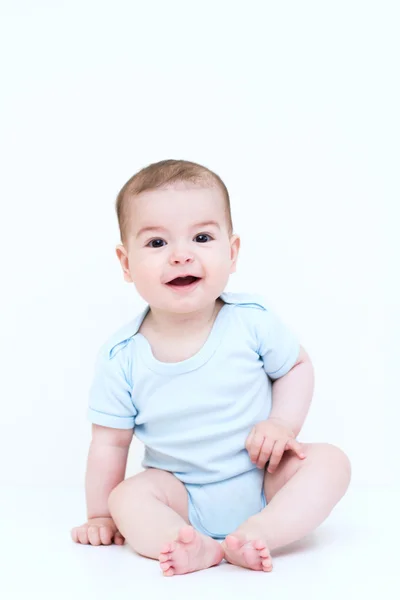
{"points": [[292, 394], [106, 466], [288, 365]]}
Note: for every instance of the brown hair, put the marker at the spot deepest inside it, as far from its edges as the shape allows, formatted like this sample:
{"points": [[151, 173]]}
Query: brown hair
{"points": [[163, 174]]}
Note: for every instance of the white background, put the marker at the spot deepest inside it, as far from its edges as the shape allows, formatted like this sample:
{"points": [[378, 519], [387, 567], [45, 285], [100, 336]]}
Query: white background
{"points": [[294, 104]]}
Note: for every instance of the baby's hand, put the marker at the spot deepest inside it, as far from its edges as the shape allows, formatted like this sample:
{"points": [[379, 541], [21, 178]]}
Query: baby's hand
{"points": [[269, 440], [98, 531]]}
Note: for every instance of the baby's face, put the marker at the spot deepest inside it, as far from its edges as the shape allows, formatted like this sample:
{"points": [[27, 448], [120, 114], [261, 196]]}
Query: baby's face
{"points": [[179, 232]]}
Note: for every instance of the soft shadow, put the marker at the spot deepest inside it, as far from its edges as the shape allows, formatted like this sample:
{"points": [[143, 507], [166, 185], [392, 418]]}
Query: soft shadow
{"points": [[310, 543]]}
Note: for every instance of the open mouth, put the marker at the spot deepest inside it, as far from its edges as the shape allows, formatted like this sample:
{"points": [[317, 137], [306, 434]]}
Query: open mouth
{"points": [[183, 281]]}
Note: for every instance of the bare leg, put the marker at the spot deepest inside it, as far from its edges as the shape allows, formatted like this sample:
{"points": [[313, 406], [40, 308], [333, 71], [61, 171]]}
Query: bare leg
{"points": [[151, 512], [300, 496]]}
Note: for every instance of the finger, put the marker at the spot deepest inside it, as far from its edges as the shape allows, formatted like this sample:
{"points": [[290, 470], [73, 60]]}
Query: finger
{"points": [[83, 535], [76, 532], [296, 447], [249, 440], [277, 453], [119, 539], [265, 452], [106, 535], [93, 534], [255, 446]]}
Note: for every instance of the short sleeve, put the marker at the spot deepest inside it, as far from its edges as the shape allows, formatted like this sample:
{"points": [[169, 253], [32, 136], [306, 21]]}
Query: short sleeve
{"points": [[279, 348], [110, 395]]}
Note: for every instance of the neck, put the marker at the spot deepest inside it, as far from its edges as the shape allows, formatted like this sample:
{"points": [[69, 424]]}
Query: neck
{"points": [[180, 325]]}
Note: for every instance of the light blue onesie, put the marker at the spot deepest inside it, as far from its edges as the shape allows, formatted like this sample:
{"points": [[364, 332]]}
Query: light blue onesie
{"points": [[194, 416]]}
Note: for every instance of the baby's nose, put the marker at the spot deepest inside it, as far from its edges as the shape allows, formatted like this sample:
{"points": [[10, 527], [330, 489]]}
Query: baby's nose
{"points": [[181, 257]]}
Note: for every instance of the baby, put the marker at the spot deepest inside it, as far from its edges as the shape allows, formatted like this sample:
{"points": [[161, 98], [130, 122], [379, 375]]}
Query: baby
{"points": [[215, 386]]}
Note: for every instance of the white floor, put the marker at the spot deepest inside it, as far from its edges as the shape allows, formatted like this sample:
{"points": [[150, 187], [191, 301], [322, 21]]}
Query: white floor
{"points": [[354, 553]]}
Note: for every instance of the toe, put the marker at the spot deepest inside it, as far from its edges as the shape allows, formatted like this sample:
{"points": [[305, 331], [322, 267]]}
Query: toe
{"points": [[267, 565], [186, 535], [165, 565], [169, 572], [166, 548], [264, 553], [170, 547], [164, 557], [259, 545]]}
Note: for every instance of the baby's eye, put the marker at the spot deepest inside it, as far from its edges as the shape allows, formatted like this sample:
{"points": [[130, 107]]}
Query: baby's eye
{"points": [[202, 238], [155, 243]]}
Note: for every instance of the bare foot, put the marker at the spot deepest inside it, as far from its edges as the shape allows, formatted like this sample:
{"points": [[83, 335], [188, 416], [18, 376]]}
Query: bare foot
{"points": [[191, 551], [252, 554]]}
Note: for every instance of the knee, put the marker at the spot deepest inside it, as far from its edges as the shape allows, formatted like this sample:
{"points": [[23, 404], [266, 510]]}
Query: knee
{"points": [[122, 490], [135, 489], [337, 460]]}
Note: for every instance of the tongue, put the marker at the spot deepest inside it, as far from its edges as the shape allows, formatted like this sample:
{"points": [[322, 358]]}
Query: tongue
{"points": [[183, 280]]}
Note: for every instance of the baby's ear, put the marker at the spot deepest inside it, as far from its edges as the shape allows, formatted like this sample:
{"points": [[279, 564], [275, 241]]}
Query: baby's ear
{"points": [[123, 259], [235, 247]]}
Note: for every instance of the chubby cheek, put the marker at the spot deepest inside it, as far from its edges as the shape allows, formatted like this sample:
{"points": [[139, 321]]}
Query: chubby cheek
{"points": [[218, 267], [146, 272], [216, 276]]}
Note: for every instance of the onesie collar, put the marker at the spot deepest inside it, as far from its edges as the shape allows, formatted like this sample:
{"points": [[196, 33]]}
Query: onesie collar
{"points": [[125, 334]]}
